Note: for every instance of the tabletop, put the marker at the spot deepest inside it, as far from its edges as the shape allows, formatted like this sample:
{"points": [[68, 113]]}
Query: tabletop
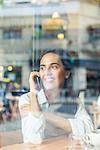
{"points": [[57, 143]]}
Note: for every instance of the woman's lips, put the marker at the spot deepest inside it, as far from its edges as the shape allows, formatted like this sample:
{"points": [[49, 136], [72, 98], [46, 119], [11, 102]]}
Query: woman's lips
{"points": [[48, 79]]}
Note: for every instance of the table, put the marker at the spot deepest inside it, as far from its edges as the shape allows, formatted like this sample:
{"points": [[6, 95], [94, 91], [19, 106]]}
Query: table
{"points": [[57, 143]]}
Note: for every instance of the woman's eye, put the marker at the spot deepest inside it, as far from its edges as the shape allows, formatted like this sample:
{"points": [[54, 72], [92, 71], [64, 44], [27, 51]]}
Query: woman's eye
{"points": [[54, 67], [42, 68]]}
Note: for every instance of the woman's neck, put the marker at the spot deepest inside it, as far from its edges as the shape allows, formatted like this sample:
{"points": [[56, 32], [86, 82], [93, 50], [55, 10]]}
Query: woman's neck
{"points": [[52, 94]]}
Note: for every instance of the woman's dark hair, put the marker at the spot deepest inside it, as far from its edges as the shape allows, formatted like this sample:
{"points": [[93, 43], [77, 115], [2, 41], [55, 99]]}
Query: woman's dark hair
{"points": [[62, 54]]}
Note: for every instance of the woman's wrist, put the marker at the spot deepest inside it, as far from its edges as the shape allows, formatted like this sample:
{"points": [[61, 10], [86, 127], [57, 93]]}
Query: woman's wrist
{"points": [[34, 91], [36, 114]]}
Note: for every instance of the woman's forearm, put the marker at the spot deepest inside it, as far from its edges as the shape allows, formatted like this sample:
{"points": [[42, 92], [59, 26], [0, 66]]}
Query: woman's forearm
{"points": [[58, 121], [34, 105]]}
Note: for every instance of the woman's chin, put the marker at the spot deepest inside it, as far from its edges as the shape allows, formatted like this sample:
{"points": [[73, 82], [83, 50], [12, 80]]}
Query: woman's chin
{"points": [[50, 88]]}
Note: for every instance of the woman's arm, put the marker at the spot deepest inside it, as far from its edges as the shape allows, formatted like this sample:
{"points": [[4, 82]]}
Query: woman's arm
{"points": [[58, 121], [34, 105], [32, 119]]}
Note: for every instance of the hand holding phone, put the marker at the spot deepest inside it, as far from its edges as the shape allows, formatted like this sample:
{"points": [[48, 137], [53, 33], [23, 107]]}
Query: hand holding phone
{"points": [[38, 83], [42, 100]]}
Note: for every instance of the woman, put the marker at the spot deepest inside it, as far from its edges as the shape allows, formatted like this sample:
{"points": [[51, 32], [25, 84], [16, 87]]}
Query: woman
{"points": [[53, 71]]}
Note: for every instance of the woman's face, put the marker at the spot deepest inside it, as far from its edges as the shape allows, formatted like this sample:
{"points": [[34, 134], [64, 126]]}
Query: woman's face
{"points": [[52, 71]]}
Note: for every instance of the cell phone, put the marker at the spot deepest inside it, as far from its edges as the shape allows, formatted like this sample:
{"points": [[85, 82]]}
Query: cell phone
{"points": [[38, 83]]}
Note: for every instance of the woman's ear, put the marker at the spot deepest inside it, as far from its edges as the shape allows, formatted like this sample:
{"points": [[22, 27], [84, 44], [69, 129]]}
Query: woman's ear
{"points": [[67, 74]]}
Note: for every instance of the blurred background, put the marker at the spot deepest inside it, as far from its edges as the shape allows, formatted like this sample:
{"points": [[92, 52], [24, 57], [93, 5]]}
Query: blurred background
{"points": [[27, 27]]}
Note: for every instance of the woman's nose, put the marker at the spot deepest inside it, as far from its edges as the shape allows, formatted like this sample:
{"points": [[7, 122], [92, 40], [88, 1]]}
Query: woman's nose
{"points": [[48, 71]]}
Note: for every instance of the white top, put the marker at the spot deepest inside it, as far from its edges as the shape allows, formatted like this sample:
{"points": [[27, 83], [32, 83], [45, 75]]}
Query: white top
{"points": [[33, 127], [98, 101]]}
